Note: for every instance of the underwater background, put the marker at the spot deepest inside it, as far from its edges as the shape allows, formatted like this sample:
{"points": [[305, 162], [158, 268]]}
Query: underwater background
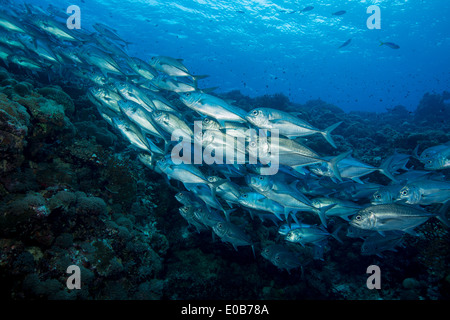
{"points": [[83, 182]]}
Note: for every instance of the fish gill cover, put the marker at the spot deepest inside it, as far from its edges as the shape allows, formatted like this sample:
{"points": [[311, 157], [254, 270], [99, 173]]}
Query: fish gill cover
{"points": [[224, 150]]}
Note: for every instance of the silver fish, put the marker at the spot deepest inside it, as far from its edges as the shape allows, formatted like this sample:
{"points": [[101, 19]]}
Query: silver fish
{"points": [[208, 217], [187, 198], [42, 49], [285, 228], [172, 84], [11, 24], [108, 32], [54, 28], [142, 68], [11, 40], [336, 207], [5, 53], [132, 133], [376, 243], [235, 129], [173, 125], [220, 148], [231, 233], [353, 169], [312, 235], [108, 98], [212, 106], [227, 190], [140, 116], [257, 201], [133, 93], [288, 197], [386, 194], [294, 154], [26, 62], [188, 174], [173, 67], [425, 192], [208, 197], [436, 157], [187, 212], [287, 124], [102, 60], [281, 257], [393, 216], [147, 159]]}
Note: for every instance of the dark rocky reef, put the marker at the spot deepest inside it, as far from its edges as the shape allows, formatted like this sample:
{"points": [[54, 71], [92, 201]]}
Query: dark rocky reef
{"points": [[73, 193], [67, 198]]}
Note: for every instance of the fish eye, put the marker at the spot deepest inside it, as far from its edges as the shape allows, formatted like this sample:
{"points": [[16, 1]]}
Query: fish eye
{"points": [[404, 192], [377, 196], [255, 112], [244, 195], [253, 144], [206, 120], [188, 94], [358, 217], [261, 178]]}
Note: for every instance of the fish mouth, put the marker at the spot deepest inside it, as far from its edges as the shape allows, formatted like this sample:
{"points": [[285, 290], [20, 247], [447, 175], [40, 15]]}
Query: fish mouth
{"points": [[353, 223], [249, 117]]}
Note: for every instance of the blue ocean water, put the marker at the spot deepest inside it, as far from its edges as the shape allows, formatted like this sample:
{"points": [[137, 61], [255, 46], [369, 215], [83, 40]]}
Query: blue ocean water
{"points": [[265, 47]]}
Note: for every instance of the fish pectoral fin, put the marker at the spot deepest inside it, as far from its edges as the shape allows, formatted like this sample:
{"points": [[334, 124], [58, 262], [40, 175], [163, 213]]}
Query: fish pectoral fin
{"points": [[411, 231], [358, 180]]}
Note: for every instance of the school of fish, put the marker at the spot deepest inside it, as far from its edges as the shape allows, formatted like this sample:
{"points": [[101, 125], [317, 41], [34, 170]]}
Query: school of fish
{"points": [[243, 161]]}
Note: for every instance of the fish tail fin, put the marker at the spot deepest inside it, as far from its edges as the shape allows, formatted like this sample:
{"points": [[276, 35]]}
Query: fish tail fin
{"points": [[384, 169], [321, 212], [227, 213], [287, 210], [443, 214], [335, 233], [195, 78], [327, 133], [416, 152], [253, 250], [208, 90], [294, 217], [334, 162]]}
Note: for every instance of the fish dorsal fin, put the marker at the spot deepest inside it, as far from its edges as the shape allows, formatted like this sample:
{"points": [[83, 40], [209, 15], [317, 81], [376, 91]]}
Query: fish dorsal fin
{"points": [[229, 101]]}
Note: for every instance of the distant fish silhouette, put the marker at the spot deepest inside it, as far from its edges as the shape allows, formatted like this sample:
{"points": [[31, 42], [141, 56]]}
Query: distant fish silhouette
{"points": [[339, 13], [308, 8], [346, 43], [390, 45]]}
